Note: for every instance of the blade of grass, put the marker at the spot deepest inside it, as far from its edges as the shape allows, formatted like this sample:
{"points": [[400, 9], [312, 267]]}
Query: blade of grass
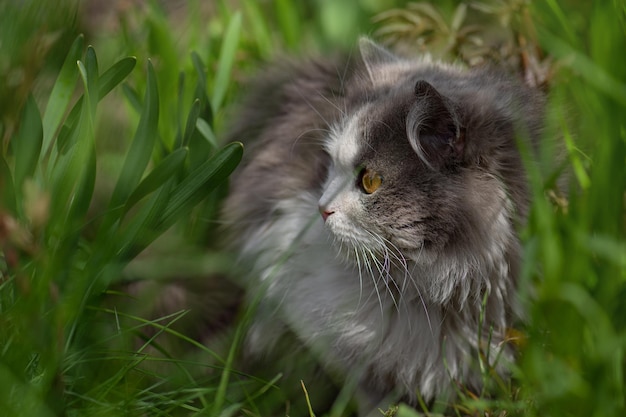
{"points": [[220, 395], [85, 146], [205, 130], [132, 97], [225, 61], [155, 323], [288, 21], [167, 168], [22, 399], [7, 189], [61, 94], [27, 144], [201, 87], [199, 183], [192, 118], [141, 147], [260, 28], [586, 67], [115, 75], [200, 146], [73, 171], [308, 400]]}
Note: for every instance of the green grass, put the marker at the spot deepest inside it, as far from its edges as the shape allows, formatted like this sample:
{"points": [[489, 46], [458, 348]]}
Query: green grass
{"points": [[111, 169]]}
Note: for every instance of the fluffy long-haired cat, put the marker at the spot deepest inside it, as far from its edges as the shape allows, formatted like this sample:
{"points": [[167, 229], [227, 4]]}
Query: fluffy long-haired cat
{"points": [[375, 213]]}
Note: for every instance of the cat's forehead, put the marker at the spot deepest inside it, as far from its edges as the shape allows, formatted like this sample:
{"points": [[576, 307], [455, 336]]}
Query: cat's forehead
{"points": [[345, 142]]}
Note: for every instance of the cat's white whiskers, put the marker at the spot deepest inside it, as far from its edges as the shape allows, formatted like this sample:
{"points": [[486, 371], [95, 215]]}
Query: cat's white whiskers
{"points": [[402, 264], [298, 138], [384, 276], [358, 262], [321, 116], [329, 101], [376, 290]]}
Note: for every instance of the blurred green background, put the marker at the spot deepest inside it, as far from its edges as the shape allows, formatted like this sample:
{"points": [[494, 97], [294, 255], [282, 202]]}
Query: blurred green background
{"points": [[112, 172]]}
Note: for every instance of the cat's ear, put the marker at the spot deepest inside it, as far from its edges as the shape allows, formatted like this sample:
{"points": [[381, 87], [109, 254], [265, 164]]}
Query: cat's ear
{"points": [[433, 128], [374, 55]]}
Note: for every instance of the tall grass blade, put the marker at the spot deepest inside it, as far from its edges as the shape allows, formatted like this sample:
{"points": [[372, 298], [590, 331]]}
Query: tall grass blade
{"points": [[7, 189], [207, 133], [73, 171], [288, 21], [27, 143], [61, 93], [21, 399], [115, 75], [206, 112], [226, 61], [133, 97], [200, 182], [165, 170], [260, 28], [85, 147], [141, 147], [192, 118]]}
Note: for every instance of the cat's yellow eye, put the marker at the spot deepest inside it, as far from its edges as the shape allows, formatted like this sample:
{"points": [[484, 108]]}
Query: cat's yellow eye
{"points": [[370, 180]]}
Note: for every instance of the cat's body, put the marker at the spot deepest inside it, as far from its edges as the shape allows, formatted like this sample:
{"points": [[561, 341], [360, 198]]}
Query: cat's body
{"points": [[376, 211]]}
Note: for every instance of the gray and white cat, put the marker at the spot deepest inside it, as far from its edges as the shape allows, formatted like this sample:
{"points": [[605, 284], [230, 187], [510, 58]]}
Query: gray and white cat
{"points": [[376, 212]]}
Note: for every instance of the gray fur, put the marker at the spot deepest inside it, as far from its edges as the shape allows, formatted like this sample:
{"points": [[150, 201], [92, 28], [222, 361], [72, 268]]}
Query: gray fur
{"points": [[390, 288]]}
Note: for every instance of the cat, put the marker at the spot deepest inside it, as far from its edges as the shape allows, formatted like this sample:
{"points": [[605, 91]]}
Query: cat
{"points": [[375, 216]]}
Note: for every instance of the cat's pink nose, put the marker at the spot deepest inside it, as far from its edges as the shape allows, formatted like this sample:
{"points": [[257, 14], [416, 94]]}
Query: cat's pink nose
{"points": [[325, 213]]}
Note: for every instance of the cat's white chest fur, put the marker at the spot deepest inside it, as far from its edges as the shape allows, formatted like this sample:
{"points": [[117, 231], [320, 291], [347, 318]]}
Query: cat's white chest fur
{"points": [[345, 313]]}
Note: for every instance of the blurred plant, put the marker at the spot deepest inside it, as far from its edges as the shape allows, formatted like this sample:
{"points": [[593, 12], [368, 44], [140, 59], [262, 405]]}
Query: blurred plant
{"points": [[50, 271], [31, 34], [476, 32], [428, 30]]}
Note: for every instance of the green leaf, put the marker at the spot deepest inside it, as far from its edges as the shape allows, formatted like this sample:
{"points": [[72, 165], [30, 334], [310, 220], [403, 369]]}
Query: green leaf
{"points": [[460, 13], [180, 98], [141, 148], [200, 144], [27, 143], [165, 170], [205, 129], [61, 93], [7, 190], [23, 398], [63, 140], [589, 70], [90, 81], [192, 118], [140, 230], [200, 182], [84, 153], [85, 187], [260, 27], [115, 75], [226, 60], [132, 97], [201, 87], [73, 171], [288, 21]]}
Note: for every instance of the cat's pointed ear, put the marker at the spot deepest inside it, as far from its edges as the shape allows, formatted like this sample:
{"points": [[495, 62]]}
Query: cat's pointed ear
{"points": [[374, 55], [433, 128]]}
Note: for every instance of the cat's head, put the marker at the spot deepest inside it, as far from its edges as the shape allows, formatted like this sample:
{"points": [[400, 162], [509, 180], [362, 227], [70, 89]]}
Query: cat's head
{"points": [[425, 165]]}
